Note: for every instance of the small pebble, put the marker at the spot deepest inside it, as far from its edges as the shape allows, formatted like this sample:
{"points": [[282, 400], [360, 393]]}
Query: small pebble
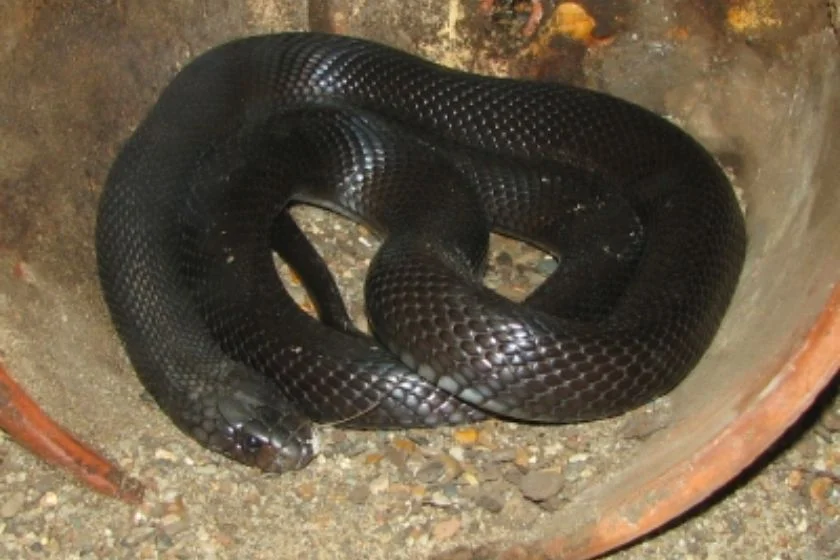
{"points": [[513, 476], [523, 458], [175, 504], [359, 494], [470, 478], [457, 453], [795, 479], [447, 529], [641, 426], [438, 499], [396, 457], [579, 458], [490, 502], [138, 535], [486, 439], [551, 504], [541, 485], [13, 505], [831, 421], [431, 472], [405, 445], [451, 489], [553, 449], [49, 499], [802, 526], [504, 455], [576, 443], [305, 491], [466, 436], [348, 447], [165, 455], [374, 458], [490, 473], [379, 485], [820, 489], [452, 468]]}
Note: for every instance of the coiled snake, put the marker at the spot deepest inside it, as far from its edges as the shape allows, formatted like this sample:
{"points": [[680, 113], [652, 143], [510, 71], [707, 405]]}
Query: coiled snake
{"points": [[648, 232]]}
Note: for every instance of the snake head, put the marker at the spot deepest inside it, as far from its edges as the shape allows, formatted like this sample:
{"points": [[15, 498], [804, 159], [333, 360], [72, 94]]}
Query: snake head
{"points": [[269, 434]]}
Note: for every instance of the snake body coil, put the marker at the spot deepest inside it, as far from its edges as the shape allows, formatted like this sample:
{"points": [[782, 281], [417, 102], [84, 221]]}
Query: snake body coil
{"points": [[648, 233]]}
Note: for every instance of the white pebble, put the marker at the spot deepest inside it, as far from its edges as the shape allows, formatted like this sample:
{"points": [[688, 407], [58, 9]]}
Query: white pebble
{"points": [[457, 453], [165, 455], [579, 458], [49, 499]]}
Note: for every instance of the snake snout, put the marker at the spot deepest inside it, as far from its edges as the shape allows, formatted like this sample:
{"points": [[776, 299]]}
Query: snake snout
{"points": [[290, 454], [276, 450], [273, 438]]}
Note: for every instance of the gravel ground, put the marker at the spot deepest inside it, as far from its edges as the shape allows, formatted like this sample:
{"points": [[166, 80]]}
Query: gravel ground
{"points": [[368, 495]]}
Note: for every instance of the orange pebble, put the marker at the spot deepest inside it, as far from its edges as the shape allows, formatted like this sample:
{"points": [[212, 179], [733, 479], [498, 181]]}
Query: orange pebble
{"points": [[404, 444], [466, 436], [374, 458]]}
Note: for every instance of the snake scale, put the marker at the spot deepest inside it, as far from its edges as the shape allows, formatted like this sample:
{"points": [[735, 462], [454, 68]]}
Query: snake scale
{"points": [[647, 232]]}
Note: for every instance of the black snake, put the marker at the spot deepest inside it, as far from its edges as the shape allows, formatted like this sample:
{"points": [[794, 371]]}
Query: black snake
{"points": [[648, 232]]}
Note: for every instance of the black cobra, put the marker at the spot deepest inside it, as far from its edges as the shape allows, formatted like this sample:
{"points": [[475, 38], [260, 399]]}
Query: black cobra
{"points": [[648, 232]]}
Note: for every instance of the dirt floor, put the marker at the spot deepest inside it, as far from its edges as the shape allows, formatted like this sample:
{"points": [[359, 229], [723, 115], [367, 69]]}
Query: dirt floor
{"points": [[77, 76]]}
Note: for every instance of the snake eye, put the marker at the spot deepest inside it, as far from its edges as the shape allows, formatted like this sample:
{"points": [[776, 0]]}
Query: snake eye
{"points": [[252, 443]]}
